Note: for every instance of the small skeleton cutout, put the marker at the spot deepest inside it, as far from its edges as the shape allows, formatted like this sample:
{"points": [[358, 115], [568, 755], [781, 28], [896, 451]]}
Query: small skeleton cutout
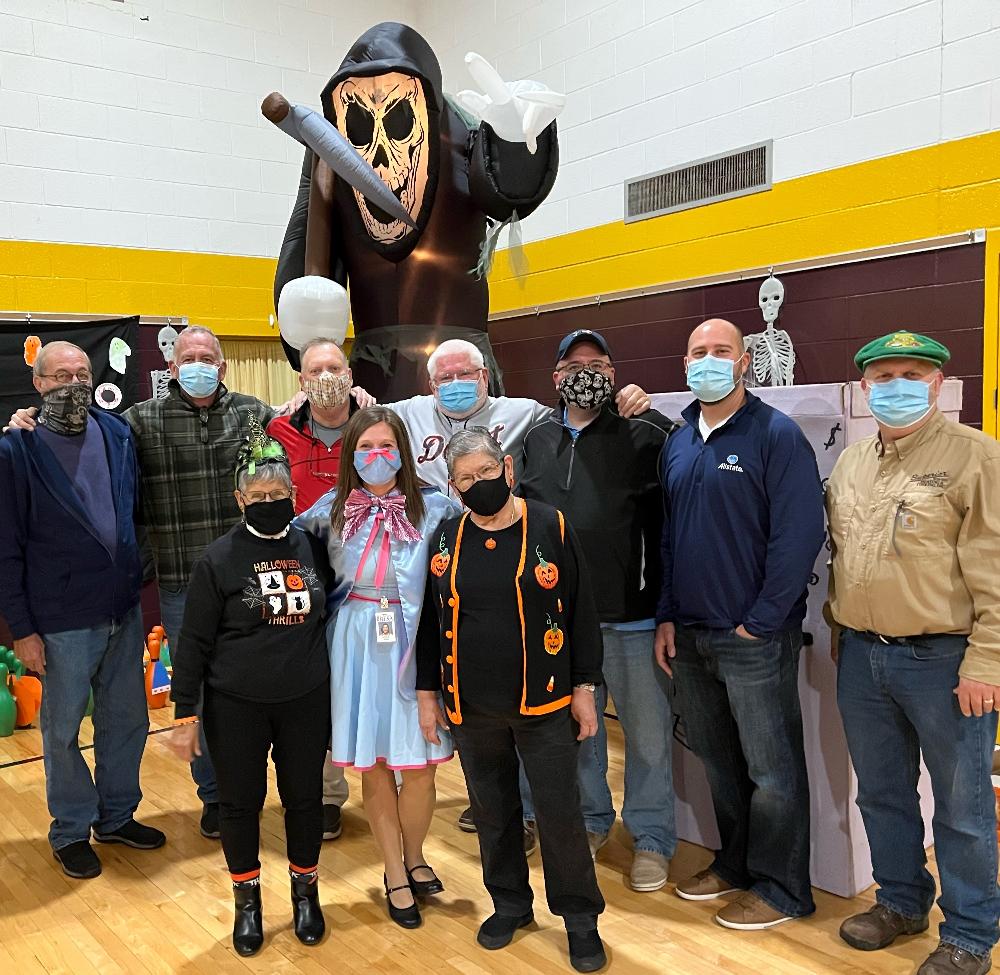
{"points": [[165, 339], [385, 119], [772, 358]]}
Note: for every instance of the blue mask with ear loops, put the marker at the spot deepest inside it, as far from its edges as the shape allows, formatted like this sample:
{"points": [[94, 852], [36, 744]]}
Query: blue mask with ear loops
{"points": [[711, 379], [198, 379], [458, 396], [900, 402]]}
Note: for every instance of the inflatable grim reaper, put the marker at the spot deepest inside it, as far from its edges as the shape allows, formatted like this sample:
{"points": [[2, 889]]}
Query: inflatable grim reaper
{"points": [[414, 256]]}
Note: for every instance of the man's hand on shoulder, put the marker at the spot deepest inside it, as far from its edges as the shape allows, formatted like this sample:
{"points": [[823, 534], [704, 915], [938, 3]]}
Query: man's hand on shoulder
{"points": [[363, 398], [632, 401]]}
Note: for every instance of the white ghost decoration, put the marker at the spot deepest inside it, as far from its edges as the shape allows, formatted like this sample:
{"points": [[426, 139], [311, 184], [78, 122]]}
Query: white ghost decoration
{"points": [[165, 339], [118, 352], [772, 358]]}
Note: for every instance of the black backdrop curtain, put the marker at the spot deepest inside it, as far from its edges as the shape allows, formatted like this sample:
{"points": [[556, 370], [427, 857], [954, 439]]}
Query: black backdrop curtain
{"points": [[93, 337]]}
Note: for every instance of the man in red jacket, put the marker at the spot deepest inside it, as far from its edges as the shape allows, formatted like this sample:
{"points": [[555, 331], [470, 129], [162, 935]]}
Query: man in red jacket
{"points": [[311, 437]]}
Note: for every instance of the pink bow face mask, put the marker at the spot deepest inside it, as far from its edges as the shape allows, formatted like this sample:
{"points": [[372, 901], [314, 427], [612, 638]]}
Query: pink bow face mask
{"points": [[377, 466]]}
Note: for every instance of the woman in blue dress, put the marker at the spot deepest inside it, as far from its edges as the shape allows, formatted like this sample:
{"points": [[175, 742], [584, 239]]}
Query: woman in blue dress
{"points": [[378, 525]]}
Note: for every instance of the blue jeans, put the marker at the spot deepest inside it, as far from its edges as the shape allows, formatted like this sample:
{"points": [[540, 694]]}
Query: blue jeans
{"points": [[202, 769], [108, 659], [640, 691], [896, 702], [739, 700]]}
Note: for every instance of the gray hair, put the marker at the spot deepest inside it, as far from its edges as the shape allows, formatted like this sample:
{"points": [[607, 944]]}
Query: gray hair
{"points": [[268, 471], [472, 440], [455, 347], [38, 368], [190, 332]]}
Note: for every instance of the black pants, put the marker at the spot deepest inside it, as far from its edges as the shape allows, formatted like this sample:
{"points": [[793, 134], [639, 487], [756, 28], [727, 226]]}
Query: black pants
{"points": [[489, 746], [240, 734]]}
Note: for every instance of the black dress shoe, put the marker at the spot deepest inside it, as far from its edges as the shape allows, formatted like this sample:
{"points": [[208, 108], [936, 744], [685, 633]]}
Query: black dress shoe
{"points": [[586, 952], [331, 821], [248, 926], [309, 923], [135, 835], [497, 931], [466, 823], [424, 888], [405, 917], [210, 821], [78, 860]]}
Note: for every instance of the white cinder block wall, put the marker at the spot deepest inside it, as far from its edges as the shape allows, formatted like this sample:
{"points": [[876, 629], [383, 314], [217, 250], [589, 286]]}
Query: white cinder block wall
{"points": [[656, 83], [137, 123]]}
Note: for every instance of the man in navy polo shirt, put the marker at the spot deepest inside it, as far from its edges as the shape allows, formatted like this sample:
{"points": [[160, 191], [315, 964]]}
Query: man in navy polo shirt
{"points": [[743, 525]]}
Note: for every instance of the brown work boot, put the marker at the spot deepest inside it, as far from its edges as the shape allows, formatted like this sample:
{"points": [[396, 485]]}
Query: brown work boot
{"points": [[878, 928], [750, 913], [703, 886], [948, 959]]}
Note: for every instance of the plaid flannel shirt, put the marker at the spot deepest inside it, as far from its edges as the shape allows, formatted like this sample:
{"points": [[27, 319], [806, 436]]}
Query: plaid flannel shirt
{"points": [[187, 455]]}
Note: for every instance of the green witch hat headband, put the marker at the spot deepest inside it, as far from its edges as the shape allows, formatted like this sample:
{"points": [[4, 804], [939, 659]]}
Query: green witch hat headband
{"points": [[258, 448]]}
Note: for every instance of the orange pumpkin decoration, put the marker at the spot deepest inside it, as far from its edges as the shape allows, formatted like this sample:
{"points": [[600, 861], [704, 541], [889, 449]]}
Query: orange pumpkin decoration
{"points": [[294, 582], [441, 561], [32, 345], [27, 693], [546, 573], [553, 638]]}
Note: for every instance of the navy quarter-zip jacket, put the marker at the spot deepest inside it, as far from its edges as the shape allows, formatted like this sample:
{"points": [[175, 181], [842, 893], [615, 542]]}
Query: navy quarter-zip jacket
{"points": [[55, 572], [743, 522]]}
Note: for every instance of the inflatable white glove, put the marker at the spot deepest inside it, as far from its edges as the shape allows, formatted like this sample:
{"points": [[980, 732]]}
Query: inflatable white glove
{"points": [[518, 111]]}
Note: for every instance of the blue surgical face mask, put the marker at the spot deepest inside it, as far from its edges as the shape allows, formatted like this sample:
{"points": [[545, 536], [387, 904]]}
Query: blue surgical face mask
{"points": [[900, 402], [711, 379], [198, 379], [458, 396], [377, 466]]}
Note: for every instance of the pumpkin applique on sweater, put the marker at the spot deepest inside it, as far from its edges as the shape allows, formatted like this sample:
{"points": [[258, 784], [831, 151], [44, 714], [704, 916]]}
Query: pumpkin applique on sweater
{"points": [[554, 638], [442, 559], [547, 573]]}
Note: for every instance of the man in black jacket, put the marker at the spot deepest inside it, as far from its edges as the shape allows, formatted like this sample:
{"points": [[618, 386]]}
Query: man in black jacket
{"points": [[601, 470]]}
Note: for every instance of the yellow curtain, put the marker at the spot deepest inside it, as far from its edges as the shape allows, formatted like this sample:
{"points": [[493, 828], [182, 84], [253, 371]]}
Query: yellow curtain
{"points": [[260, 369]]}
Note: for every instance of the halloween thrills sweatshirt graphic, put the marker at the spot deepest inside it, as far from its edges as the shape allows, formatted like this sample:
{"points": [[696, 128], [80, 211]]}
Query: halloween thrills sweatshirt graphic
{"points": [[281, 590]]}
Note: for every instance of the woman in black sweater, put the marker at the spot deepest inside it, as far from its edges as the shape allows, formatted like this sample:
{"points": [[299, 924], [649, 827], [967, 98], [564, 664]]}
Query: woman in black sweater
{"points": [[511, 637], [253, 644]]}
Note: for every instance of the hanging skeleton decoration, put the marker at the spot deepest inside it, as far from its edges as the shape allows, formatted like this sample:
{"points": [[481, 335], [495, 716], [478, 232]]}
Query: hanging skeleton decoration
{"points": [[405, 247], [772, 358], [159, 378]]}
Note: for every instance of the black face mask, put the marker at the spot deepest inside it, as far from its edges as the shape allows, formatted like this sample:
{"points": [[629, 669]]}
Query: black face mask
{"points": [[64, 409], [486, 498], [269, 517]]}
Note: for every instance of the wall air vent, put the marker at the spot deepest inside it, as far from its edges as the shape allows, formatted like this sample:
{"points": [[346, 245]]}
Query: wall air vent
{"points": [[722, 177]]}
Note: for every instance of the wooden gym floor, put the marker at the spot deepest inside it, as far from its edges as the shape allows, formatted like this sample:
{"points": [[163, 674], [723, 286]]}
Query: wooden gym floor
{"points": [[169, 911]]}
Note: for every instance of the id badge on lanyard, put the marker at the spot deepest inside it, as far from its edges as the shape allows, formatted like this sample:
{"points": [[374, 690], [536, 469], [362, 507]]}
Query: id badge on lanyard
{"points": [[385, 625]]}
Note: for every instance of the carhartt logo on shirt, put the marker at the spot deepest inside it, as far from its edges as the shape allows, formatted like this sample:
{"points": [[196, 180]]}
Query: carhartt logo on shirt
{"points": [[731, 463]]}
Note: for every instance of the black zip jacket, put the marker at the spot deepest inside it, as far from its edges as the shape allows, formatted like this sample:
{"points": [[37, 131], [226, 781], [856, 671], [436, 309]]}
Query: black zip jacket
{"points": [[606, 482]]}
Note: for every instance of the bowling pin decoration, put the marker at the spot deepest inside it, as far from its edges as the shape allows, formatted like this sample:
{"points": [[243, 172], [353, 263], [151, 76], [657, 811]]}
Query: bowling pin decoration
{"points": [[28, 698], [157, 678], [8, 707]]}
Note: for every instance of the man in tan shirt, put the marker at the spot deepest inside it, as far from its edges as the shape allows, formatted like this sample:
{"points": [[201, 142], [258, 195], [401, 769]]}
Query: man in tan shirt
{"points": [[914, 515]]}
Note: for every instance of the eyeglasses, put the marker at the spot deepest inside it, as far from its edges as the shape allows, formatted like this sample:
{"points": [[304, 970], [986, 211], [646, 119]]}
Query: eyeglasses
{"points": [[65, 377], [487, 473], [469, 376], [255, 497], [572, 368]]}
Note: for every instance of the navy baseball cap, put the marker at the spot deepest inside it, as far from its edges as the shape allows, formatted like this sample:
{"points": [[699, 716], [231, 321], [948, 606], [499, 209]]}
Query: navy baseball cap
{"points": [[581, 335]]}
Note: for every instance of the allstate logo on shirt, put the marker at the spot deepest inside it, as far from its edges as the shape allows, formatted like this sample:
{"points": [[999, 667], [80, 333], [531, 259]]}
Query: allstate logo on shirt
{"points": [[731, 464]]}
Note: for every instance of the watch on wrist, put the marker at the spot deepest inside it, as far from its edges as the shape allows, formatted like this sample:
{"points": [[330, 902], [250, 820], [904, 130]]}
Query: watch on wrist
{"points": [[585, 687]]}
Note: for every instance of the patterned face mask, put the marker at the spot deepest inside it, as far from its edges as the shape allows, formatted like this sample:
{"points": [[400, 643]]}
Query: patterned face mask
{"points": [[328, 389], [588, 389], [64, 409]]}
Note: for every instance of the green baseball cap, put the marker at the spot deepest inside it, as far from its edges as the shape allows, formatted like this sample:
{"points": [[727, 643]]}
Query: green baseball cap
{"points": [[906, 345]]}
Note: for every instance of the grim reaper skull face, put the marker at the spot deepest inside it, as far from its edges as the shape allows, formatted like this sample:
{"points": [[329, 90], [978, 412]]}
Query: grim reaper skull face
{"points": [[771, 296], [385, 119], [165, 340]]}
